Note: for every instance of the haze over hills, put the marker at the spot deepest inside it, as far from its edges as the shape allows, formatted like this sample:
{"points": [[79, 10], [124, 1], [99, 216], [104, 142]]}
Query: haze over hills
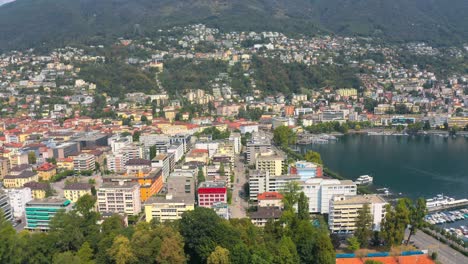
{"points": [[2, 2], [27, 23]]}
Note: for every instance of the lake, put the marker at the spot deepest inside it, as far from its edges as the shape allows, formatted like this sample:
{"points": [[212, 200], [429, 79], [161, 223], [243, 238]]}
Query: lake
{"points": [[413, 165]]}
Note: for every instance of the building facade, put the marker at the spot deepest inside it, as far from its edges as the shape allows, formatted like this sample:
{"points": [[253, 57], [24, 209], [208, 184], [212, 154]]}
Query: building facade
{"points": [[40, 212], [344, 211], [18, 200], [121, 197], [211, 192]]}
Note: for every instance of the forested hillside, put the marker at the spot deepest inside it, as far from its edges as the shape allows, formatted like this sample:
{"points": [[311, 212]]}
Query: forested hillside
{"points": [[30, 23]]}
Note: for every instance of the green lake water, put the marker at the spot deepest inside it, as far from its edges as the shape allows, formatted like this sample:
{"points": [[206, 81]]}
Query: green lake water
{"points": [[413, 165]]}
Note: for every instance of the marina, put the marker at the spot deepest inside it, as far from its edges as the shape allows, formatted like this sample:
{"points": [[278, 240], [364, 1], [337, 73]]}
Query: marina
{"points": [[454, 222], [307, 138]]}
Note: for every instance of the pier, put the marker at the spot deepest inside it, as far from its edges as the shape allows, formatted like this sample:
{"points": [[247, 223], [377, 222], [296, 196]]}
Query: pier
{"points": [[453, 205]]}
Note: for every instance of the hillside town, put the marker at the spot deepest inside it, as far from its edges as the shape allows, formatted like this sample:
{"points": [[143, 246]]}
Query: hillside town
{"points": [[154, 155]]}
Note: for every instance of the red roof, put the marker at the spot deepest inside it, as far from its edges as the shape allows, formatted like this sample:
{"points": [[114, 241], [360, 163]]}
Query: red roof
{"points": [[46, 167], [270, 196], [209, 190], [199, 151]]}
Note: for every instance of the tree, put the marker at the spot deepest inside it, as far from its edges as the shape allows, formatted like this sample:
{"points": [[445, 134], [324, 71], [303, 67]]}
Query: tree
{"points": [[303, 207], [85, 254], [66, 257], [219, 256], [284, 136], [121, 251], [201, 175], [286, 252], [144, 118], [353, 243], [221, 170], [418, 211], [7, 234], [313, 244], [172, 249], [312, 156], [427, 125], [290, 195], [394, 223], [364, 226], [203, 230], [152, 152], [85, 205], [136, 136], [32, 157], [336, 241]]}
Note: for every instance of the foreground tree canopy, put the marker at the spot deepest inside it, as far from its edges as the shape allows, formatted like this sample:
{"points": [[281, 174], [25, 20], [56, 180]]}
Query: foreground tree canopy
{"points": [[199, 237]]}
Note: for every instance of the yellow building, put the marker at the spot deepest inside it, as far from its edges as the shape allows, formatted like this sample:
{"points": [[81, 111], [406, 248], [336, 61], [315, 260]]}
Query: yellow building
{"points": [[38, 189], [65, 164], [347, 92], [458, 121], [180, 198], [18, 180], [46, 171], [4, 167], [75, 191], [271, 161], [198, 155]]}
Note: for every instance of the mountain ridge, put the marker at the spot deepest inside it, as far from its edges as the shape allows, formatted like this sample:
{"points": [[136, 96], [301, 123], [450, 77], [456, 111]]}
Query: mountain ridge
{"points": [[29, 23]]}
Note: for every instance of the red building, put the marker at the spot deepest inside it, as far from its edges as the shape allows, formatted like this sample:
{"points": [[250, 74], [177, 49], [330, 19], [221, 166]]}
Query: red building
{"points": [[211, 192]]}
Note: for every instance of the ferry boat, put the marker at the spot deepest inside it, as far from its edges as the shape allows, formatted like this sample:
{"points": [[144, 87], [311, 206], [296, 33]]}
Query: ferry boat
{"points": [[438, 200], [364, 179]]}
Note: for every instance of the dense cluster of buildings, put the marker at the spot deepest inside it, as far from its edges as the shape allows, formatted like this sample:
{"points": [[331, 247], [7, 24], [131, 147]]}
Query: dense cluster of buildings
{"points": [[147, 154]]}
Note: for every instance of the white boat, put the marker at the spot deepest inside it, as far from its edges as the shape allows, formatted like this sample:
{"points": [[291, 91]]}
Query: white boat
{"points": [[364, 179]]}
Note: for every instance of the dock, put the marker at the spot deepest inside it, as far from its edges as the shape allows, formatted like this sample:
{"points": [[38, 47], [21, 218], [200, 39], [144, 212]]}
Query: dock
{"points": [[451, 205]]}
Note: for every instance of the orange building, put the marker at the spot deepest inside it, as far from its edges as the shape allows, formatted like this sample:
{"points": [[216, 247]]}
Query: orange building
{"points": [[151, 181], [150, 184], [288, 110]]}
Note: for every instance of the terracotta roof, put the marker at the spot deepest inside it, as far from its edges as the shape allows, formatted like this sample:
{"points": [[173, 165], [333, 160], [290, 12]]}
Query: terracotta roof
{"points": [[415, 259], [199, 151], [46, 167], [270, 196]]}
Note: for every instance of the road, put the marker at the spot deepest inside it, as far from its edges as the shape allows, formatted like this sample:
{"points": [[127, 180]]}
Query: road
{"points": [[446, 254], [238, 205]]}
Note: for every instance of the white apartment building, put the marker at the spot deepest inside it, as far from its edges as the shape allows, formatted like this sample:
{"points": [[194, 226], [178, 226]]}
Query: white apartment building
{"points": [[116, 162], [263, 181], [235, 138], [259, 143], [18, 200], [178, 150], [162, 161], [211, 146], [344, 212], [121, 197], [320, 192], [84, 162]]}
